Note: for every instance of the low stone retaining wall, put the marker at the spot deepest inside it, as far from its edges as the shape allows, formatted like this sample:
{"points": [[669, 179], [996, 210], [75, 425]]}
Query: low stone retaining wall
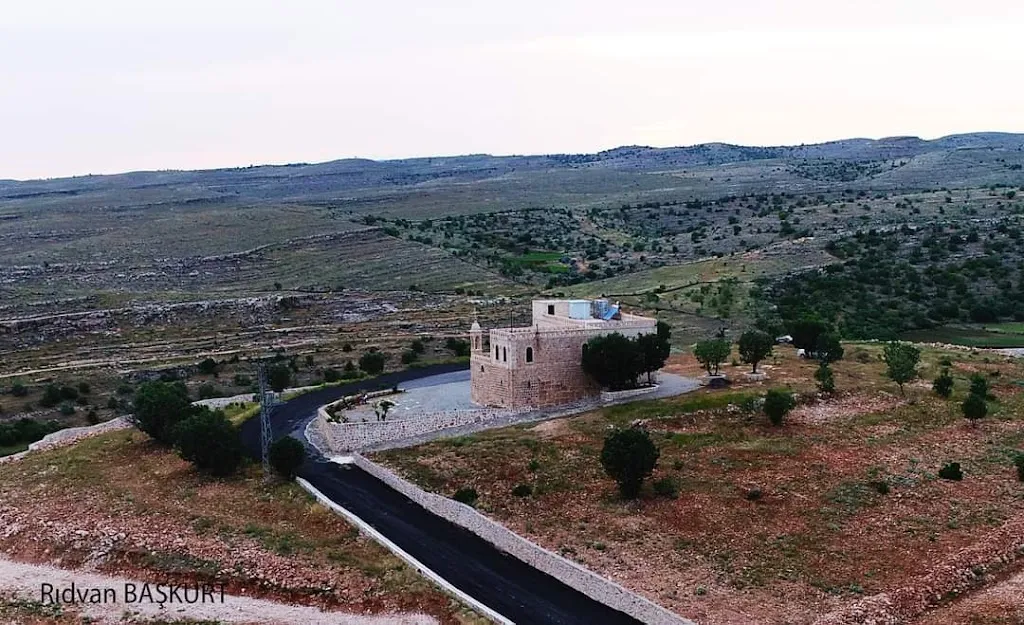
{"points": [[359, 435], [613, 396], [566, 571], [69, 436]]}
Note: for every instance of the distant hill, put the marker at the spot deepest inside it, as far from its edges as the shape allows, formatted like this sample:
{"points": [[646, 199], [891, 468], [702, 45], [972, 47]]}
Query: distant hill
{"points": [[351, 174]]}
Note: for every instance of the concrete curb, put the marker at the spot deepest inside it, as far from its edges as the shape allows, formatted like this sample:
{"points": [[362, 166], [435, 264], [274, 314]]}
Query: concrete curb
{"points": [[570, 573], [367, 529]]}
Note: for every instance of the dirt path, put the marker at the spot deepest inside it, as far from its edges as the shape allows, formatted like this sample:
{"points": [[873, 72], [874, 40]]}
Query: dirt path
{"points": [[26, 581]]}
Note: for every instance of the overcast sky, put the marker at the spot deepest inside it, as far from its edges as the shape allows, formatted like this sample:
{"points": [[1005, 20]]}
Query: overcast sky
{"points": [[110, 85]]}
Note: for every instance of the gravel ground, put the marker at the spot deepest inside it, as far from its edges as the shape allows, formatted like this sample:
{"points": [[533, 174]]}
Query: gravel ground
{"points": [[25, 581], [669, 385]]}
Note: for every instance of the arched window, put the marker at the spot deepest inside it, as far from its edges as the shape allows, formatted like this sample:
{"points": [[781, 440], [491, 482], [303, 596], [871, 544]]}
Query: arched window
{"points": [[495, 352], [529, 354], [481, 368], [504, 354]]}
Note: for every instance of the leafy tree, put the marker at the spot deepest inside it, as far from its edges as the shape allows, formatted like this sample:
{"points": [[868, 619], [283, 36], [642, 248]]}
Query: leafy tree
{"points": [[777, 404], [19, 390], [755, 346], [943, 384], [208, 366], [901, 360], [825, 378], [209, 441], [828, 348], [806, 331], [286, 456], [654, 349], [613, 360], [331, 375], [712, 353], [459, 347], [84, 388], [159, 407], [372, 362], [629, 457], [979, 386], [974, 408], [51, 396], [279, 377], [418, 347], [466, 495], [409, 356]]}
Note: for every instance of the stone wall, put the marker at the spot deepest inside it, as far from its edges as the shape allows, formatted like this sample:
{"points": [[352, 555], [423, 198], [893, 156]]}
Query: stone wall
{"points": [[566, 571], [360, 435], [614, 396]]}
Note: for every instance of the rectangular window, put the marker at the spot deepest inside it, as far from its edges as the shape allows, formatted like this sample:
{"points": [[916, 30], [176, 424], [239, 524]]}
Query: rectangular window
{"points": [[551, 309]]}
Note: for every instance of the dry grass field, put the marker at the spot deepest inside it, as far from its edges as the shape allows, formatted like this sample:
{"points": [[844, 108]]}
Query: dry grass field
{"points": [[775, 524], [117, 504]]}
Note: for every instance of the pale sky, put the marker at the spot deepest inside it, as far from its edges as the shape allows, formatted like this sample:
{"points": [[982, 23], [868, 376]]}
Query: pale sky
{"points": [[113, 85]]}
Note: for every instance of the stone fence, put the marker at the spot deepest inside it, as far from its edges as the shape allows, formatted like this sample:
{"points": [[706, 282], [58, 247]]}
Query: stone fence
{"points": [[573, 575], [360, 435], [614, 396]]}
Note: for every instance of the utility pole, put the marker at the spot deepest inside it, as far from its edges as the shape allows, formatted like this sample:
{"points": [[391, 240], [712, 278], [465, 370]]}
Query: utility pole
{"points": [[266, 407]]}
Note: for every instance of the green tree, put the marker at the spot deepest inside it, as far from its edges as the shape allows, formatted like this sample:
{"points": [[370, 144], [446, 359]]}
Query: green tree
{"points": [[19, 390], [159, 407], [712, 353], [51, 396], [943, 384], [613, 361], [286, 456], [208, 366], [755, 346], [279, 377], [828, 348], [629, 457], [825, 378], [209, 441], [372, 362], [806, 331], [331, 375], [654, 349], [901, 361], [974, 408], [777, 404], [979, 386], [459, 347]]}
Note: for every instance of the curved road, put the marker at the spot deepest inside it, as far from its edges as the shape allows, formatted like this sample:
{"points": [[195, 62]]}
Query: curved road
{"points": [[505, 584]]}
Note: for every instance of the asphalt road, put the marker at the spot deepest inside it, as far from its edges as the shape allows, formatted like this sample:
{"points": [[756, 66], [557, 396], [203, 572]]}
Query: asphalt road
{"points": [[503, 583]]}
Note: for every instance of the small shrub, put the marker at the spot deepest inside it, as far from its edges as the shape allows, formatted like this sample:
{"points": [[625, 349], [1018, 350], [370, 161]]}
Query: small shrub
{"points": [[666, 487], [331, 375], [112, 403], [92, 417], [533, 466], [522, 490], [952, 472], [777, 404], [825, 378], [67, 409], [19, 390], [879, 486], [629, 457], [1018, 461], [241, 379], [943, 384], [945, 362], [979, 386], [409, 356], [466, 495], [974, 407], [753, 494], [84, 388], [209, 391], [286, 456]]}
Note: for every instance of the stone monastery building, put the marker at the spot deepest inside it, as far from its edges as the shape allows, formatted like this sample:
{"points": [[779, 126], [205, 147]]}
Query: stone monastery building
{"points": [[540, 365]]}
